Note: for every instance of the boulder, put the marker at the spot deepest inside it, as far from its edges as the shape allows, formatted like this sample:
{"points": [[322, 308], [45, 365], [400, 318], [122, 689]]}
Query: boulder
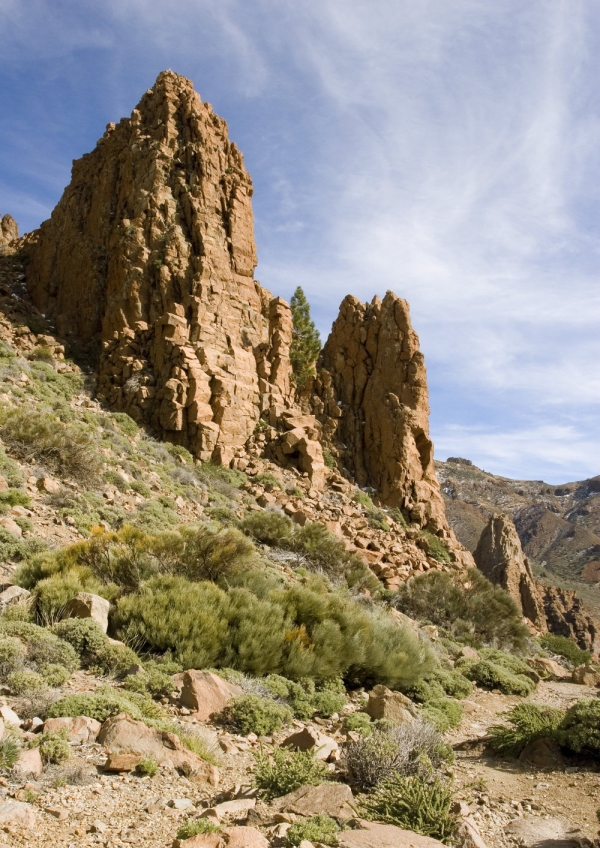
{"points": [[535, 832], [309, 739], [48, 485], [237, 807], [81, 729], [206, 694], [375, 835], [542, 753], [333, 799], [123, 735], [9, 716], [586, 676], [29, 763], [122, 762], [17, 813], [3, 484], [394, 706], [13, 595], [468, 834], [546, 667], [11, 525], [87, 605]]}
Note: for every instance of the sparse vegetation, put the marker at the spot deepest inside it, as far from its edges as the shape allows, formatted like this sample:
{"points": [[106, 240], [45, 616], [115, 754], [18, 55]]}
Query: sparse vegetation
{"points": [[322, 829], [285, 771], [565, 648], [525, 723], [54, 747], [147, 767], [9, 751], [194, 827], [414, 803]]}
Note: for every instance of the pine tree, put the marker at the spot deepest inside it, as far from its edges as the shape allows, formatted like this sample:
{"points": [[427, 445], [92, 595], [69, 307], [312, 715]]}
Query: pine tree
{"points": [[306, 341]]}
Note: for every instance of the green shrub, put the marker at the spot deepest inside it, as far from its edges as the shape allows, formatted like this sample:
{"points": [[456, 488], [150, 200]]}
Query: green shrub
{"points": [[287, 770], [25, 682], [54, 674], [413, 803], [14, 497], [104, 703], [147, 767], [306, 342], [443, 713], [491, 675], [207, 553], [125, 424], [468, 606], [319, 828], [12, 549], [359, 722], [434, 546], [10, 470], [54, 747], [43, 647], [320, 548], [12, 656], [329, 459], [326, 702], [85, 635], [454, 684], [141, 488], [267, 480], [269, 528], [565, 648], [253, 714], [193, 827], [66, 449], [9, 751], [393, 749], [525, 723], [153, 516], [579, 730], [117, 480]]}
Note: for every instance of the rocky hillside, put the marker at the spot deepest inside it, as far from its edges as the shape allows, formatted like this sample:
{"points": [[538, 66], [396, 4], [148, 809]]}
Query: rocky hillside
{"points": [[559, 526]]}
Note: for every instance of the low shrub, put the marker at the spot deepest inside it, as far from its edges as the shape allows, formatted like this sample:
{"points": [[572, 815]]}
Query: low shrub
{"points": [[359, 722], [208, 553], [267, 480], [268, 528], [85, 635], [25, 681], [104, 703], [579, 730], [14, 497], [193, 827], [440, 683], [525, 723], [327, 702], [467, 606], [9, 751], [141, 488], [12, 656], [287, 770], [434, 546], [565, 648], [147, 767], [10, 470], [253, 714], [198, 741], [321, 828], [117, 480], [43, 647], [443, 713], [66, 449], [414, 803], [54, 747], [54, 674], [499, 670], [388, 750], [151, 679], [125, 423]]}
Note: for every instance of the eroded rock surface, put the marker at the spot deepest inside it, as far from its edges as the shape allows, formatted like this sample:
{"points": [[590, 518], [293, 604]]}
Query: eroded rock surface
{"points": [[9, 231]]}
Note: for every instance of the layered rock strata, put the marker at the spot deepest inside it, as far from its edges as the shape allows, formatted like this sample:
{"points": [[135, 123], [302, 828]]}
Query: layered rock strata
{"points": [[500, 558], [150, 252]]}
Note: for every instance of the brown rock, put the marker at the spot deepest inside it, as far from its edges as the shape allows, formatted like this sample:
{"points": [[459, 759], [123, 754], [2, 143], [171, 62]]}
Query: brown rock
{"points": [[584, 675], [333, 799], [122, 762], [201, 840], [309, 739], [394, 706], [375, 835], [535, 832], [3, 484], [87, 605], [29, 763], [206, 694], [47, 484], [122, 735], [543, 753], [14, 595], [9, 231], [546, 667], [11, 525], [500, 558], [567, 617], [229, 837], [17, 813], [81, 729], [468, 834]]}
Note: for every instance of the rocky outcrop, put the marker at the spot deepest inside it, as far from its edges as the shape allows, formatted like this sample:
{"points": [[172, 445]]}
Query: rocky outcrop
{"points": [[9, 231], [150, 257], [500, 558]]}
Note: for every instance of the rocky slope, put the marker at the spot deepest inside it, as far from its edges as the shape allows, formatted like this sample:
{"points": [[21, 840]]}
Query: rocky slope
{"points": [[559, 526]]}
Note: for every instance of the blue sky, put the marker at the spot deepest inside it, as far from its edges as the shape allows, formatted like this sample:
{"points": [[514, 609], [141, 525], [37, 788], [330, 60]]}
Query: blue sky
{"points": [[448, 150]]}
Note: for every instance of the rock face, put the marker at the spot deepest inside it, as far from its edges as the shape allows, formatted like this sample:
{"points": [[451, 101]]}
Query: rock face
{"points": [[150, 255], [500, 558], [87, 605], [374, 409], [8, 231]]}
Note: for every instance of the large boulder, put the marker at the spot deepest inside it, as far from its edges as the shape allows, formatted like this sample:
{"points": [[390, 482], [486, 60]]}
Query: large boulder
{"points": [[375, 835], [333, 799], [584, 675], [206, 694], [87, 605], [394, 706], [310, 739], [29, 763], [80, 729], [123, 735], [13, 595], [17, 813]]}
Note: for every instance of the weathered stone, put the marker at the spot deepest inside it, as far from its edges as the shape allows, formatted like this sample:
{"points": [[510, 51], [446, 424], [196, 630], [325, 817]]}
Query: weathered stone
{"points": [[546, 667], [584, 675], [122, 762], [394, 706], [122, 735], [48, 485], [468, 834], [80, 729], [29, 763], [566, 616], [87, 605], [229, 837], [11, 525], [535, 832], [206, 694], [500, 558], [9, 231], [543, 753], [310, 739], [17, 813], [231, 808], [9, 716], [333, 799], [375, 835], [14, 595]]}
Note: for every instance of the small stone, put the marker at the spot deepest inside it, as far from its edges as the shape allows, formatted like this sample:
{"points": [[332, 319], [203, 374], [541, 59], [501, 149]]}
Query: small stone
{"points": [[57, 812], [98, 827], [181, 803]]}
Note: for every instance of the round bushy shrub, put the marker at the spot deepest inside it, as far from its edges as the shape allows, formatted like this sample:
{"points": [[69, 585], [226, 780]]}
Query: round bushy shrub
{"points": [[269, 528], [443, 713], [25, 682], [359, 722], [286, 770], [12, 656], [253, 714], [42, 646], [85, 635], [580, 729], [320, 828], [54, 747], [54, 674]]}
